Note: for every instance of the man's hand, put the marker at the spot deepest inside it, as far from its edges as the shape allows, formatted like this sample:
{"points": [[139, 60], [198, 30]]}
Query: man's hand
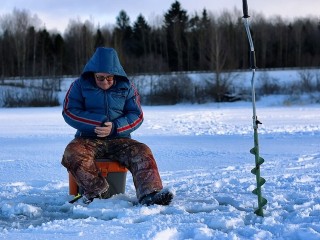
{"points": [[105, 130]]}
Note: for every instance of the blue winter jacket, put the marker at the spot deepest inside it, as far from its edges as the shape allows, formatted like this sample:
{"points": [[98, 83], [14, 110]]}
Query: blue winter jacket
{"points": [[87, 106]]}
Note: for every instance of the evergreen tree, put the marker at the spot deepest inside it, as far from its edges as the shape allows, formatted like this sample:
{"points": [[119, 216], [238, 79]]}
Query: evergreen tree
{"points": [[140, 37], [99, 39], [123, 38], [175, 24]]}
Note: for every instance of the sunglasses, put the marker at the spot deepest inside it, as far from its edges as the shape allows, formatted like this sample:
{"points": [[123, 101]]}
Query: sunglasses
{"points": [[101, 78]]}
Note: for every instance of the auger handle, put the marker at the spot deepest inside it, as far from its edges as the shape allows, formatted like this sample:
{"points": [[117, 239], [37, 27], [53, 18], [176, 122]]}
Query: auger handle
{"points": [[246, 21], [245, 9], [253, 64]]}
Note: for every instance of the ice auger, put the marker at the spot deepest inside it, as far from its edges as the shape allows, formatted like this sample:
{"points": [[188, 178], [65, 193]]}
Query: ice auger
{"points": [[255, 150]]}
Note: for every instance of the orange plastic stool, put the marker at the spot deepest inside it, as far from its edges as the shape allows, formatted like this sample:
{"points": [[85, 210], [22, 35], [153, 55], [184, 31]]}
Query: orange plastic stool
{"points": [[113, 171]]}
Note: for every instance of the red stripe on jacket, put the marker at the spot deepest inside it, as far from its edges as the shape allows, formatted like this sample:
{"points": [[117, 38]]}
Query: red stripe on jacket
{"points": [[139, 120], [132, 125], [75, 117]]}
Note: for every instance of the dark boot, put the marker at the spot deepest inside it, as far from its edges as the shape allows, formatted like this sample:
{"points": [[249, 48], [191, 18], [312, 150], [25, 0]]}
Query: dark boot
{"points": [[163, 197], [103, 195]]}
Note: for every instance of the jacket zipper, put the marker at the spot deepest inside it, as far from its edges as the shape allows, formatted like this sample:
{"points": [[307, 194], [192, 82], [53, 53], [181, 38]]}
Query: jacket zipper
{"points": [[106, 105]]}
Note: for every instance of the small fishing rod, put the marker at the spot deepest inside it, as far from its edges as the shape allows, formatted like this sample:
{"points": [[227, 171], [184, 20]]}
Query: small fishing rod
{"points": [[255, 150]]}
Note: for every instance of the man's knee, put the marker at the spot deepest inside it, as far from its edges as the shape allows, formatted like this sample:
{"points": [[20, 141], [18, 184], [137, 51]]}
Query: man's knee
{"points": [[76, 152]]}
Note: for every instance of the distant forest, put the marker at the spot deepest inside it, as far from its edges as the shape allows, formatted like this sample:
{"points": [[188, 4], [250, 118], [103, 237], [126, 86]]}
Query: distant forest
{"points": [[178, 42]]}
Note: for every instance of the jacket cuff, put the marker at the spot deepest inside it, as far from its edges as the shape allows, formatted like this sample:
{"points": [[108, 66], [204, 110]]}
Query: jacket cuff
{"points": [[113, 131]]}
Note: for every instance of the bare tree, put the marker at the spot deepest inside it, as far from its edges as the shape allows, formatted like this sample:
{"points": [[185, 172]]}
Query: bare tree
{"points": [[17, 25], [80, 43], [218, 60]]}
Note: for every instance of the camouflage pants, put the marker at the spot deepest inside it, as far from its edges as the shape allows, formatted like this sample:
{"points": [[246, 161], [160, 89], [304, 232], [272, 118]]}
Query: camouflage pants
{"points": [[79, 159]]}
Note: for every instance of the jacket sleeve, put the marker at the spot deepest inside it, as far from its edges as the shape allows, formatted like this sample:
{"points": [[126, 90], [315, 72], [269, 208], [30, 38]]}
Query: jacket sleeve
{"points": [[75, 114], [133, 115]]}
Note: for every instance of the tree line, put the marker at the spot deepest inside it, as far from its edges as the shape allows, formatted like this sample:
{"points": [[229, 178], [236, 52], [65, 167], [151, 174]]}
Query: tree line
{"points": [[179, 42]]}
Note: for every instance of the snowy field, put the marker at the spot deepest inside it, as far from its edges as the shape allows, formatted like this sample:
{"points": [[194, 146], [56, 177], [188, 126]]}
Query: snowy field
{"points": [[203, 156]]}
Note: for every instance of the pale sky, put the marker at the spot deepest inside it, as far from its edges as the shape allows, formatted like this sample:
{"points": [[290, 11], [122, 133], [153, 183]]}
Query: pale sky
{"points": [[55, 14]]}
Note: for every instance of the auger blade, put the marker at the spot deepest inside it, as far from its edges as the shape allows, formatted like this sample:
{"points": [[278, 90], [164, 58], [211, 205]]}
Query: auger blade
{"points": [[253, 151], [259, 212], [260, 182], [263, 202], [260, 161], [254, 171]]}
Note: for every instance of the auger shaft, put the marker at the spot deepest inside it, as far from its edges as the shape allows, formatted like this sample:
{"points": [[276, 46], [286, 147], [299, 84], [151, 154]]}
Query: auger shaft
{"points": [[255, 150]]}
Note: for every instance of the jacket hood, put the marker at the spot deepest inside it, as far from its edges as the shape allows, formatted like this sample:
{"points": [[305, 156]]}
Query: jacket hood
{"points": [[105, 60]]}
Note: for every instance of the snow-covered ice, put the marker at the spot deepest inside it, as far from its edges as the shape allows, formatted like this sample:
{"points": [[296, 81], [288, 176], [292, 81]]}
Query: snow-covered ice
{"points": [[203, 156]]}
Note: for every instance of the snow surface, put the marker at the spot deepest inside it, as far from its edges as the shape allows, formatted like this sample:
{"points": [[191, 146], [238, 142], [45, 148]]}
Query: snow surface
{"points": [[203, 156]]}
